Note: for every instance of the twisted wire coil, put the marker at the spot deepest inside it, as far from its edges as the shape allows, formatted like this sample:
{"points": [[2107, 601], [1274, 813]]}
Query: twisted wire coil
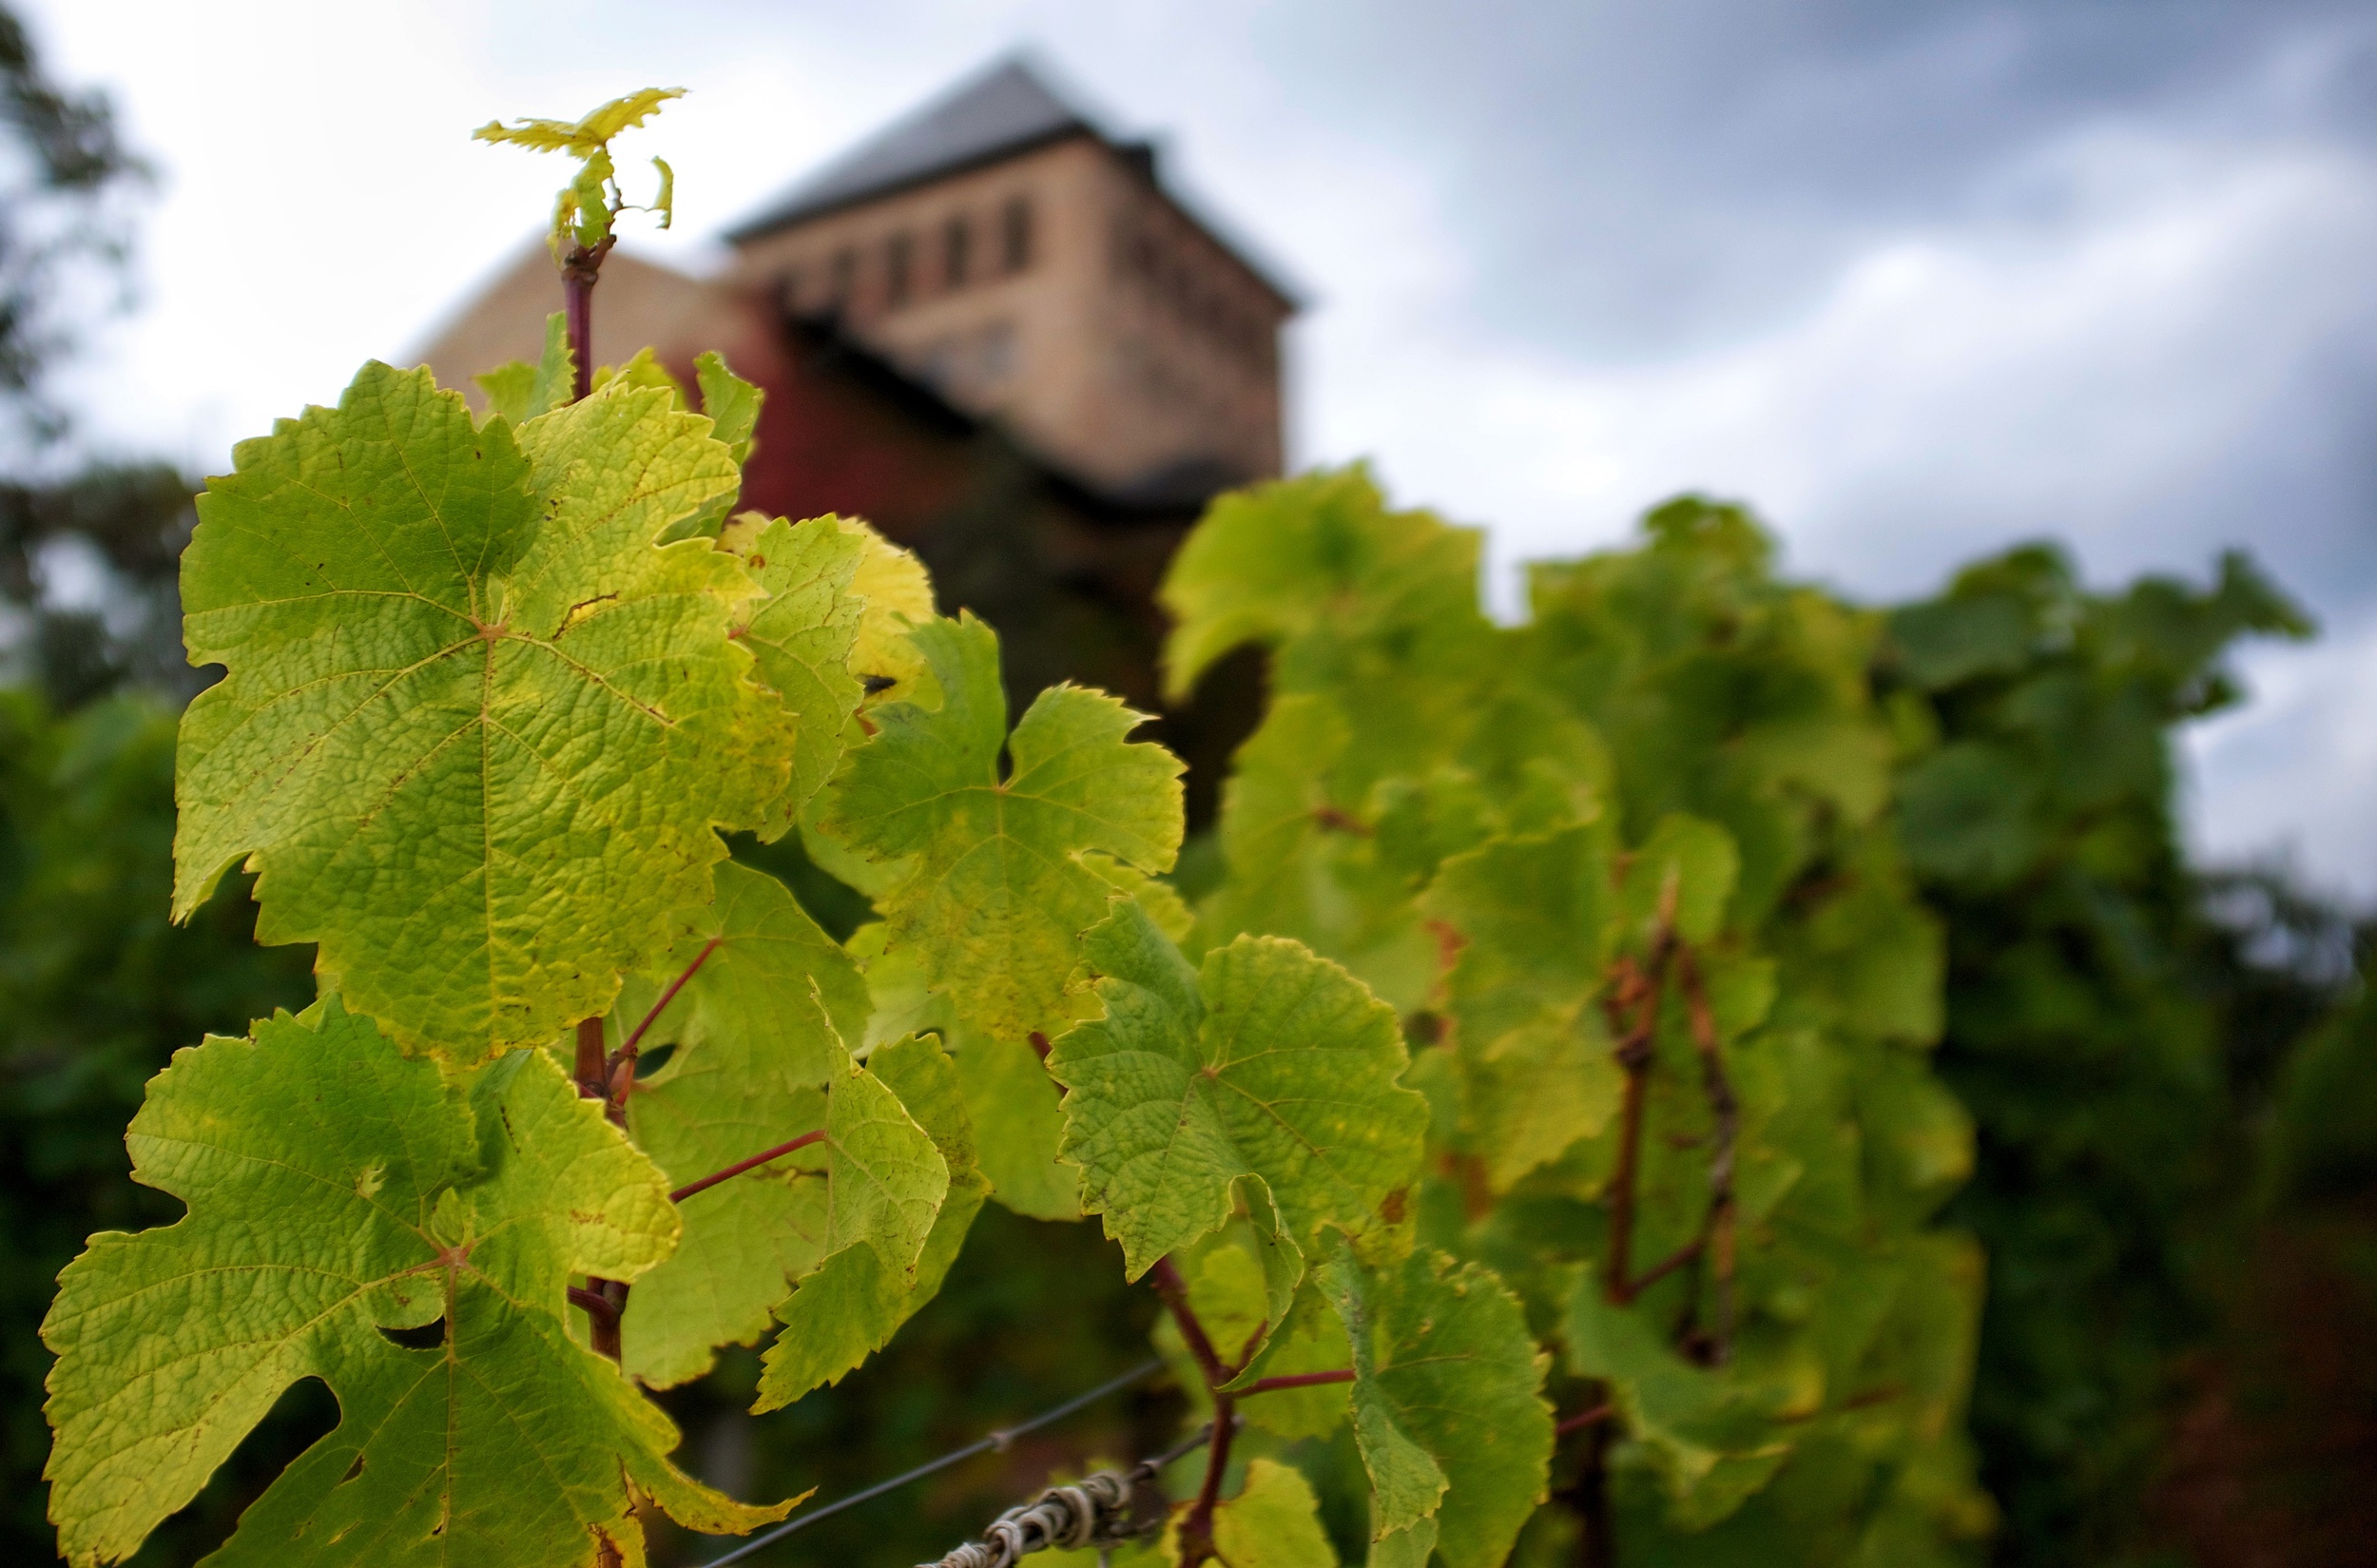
{"points": [[1104, 1510]]}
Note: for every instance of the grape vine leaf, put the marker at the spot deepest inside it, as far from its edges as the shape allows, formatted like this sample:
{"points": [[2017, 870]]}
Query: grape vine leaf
{"points": [[1269, 1063], [399, 1200], [476, 729], [1241, 1282], [1448, 1408], [643, 369], [1273, 1521], [1010, 1100], [1310, 1338], [730, 403], [586, 208], [1303, 863], [1280, 561], [800, 634], [732, 406], [1000, 883], [758, 1061], [850, 1307], [1537, 1065], [1687, 867], [1711, 1436], [520, 391], [1019, 1127], [899, 597], [580, 138]]}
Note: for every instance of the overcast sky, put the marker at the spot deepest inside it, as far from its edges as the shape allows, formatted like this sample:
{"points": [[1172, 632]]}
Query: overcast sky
{"points": [[1918, 282]]}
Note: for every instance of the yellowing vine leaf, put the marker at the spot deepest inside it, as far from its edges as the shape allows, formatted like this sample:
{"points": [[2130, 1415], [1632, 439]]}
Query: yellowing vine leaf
{"points": [[1003, 871], [581, 138], [478, 728], [520, 391], [801, 633], [590, 203], [1269, 1063], [337, 1189], [1010, 1101], [1273, 1521]]}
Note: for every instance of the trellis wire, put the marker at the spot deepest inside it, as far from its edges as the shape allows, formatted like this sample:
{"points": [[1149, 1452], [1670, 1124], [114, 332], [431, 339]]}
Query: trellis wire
{"points": [[1105, 1510], [990, 1443]]}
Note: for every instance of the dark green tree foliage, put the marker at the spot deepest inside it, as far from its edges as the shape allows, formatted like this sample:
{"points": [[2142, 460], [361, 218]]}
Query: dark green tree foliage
{"points": [[62, 225], [133, 518], [2084, 1025], [2324, 1140], [65, 180], [97, 989]]}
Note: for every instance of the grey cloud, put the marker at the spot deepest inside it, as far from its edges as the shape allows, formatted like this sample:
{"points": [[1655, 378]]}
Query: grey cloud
{"points": [[1651, 177]]}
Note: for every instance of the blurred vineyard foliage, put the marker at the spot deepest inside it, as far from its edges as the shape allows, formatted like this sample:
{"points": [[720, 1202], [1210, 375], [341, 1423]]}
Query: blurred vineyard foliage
{"points": [[2172, 1071], [2170, 1075]]}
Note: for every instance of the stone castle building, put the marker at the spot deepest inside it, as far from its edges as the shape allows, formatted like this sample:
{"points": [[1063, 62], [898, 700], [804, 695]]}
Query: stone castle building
{"points": [[995, 333], [1029, 267]]}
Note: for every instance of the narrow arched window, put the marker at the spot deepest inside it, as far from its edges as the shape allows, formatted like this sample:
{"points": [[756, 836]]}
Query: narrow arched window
{"points": [[957, 245], [1014, 235]]}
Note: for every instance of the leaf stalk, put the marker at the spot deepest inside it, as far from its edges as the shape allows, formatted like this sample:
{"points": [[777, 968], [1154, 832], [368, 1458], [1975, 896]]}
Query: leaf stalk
{"points": [[741, 1166], [1196, 1529]]}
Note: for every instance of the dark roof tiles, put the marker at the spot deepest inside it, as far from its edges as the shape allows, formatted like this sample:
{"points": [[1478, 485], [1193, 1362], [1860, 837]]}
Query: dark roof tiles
{"points": [[1004, 110]]}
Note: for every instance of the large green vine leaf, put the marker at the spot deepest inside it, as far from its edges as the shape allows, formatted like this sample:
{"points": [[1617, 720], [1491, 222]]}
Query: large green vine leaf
{"points": [[1011, 1102], [1003, 872], [1269, 1063], [850, 1307], [1448, 1411], [476, 729], [760, 1061], [337, 1189]]}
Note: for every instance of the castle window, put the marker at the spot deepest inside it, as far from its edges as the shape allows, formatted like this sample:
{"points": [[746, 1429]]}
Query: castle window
{"points": [[1015, 234], [998, 352], [845, 279], [899, 263], [957, 241]]}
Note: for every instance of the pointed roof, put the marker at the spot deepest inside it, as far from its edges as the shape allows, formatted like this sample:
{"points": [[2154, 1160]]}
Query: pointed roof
{"points": [[1005, 110]]}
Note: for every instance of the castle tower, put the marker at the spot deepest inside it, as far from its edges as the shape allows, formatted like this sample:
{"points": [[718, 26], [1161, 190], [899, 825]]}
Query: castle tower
{"points": [[1003, 249]]}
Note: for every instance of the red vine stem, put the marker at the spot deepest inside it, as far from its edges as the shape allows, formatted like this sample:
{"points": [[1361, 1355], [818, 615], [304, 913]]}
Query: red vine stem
{"points": [[608, 1078], [593, 1084], [741, 1166], [592, 1069], [1578, 1423], [668, 995], [579, 268], [1666, 1266], [594, 1303], [1639, 987], [1718, 1232], [619, 1081], [1296, 1380], [1166, 1278], [1196, 1529]]}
